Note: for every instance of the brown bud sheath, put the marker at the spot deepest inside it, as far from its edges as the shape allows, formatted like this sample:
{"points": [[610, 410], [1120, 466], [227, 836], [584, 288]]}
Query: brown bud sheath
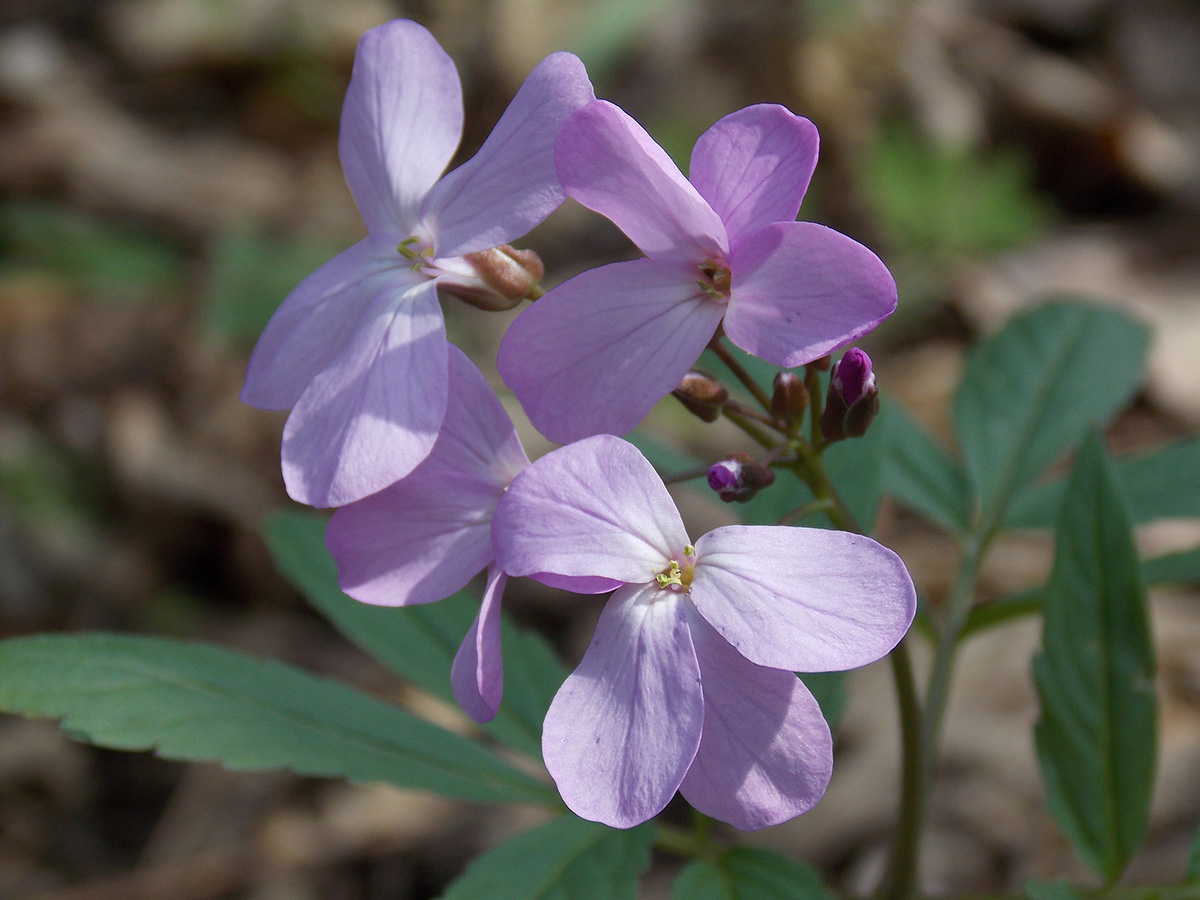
{"points": [[506, 276], [790, 397], [702, 395]]}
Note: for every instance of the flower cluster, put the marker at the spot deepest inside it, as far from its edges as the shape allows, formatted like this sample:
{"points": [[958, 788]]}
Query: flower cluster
{"points": [[688, 684]]}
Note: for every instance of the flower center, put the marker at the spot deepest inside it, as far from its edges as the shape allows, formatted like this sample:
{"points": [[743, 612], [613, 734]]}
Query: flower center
{"points": [[418, 253], [716, 279], [676, 577]]}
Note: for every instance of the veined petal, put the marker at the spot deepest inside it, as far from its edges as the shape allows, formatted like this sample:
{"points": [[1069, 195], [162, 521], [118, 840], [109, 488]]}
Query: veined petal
{"points": [[424, 537], [477, 674], [766, 754], [754, 165], [623, 728], [592, 509], [597, 352], [373, 414], [801, 291], [802, 599], [509, 186], [318, 318], [608, 163], [401, 122]]}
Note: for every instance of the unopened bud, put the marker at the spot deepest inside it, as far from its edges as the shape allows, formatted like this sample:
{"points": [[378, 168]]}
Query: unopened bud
{"points": [[853, 398], [505, 276], [702, 395], [738, 477], [790, 397]]}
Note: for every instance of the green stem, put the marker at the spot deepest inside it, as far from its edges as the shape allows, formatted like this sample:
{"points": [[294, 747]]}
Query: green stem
{"points": [[739, 372]]}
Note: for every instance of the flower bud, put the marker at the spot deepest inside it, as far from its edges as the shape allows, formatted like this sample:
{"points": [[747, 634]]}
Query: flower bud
{"points": [[853, 398], [790, 397], [738, 477], [702, 395], [502, 277]]}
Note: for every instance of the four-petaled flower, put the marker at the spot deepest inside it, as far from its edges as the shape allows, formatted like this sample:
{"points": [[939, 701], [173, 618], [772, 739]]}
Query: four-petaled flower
{"points": [[688, 682], [358, 349], [427, 535], [721, 250]]}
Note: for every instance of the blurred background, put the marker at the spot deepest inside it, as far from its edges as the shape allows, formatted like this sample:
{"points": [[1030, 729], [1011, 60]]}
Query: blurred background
{"points": [[169, 171]]}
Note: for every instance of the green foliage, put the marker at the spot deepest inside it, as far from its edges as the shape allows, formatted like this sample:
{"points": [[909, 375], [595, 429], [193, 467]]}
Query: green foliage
{"points": [[748, 874], [938, 202], [1162, 484], [250, 274], [1193, 865], [200, 702], [1049, 890], [567, 859], [1173, 568], [829, 689], [1096, 737], [114, 261], [919, 473], [419, 642], [1032, 390]]}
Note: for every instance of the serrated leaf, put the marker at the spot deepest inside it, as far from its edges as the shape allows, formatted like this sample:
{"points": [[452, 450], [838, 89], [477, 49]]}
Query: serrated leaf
{"points": [[1031, 391], [748, 874], [419, 642], [1162, 484], [1173, 568], [567, 859], [919, 473], [1096, 737], [200, 702]]}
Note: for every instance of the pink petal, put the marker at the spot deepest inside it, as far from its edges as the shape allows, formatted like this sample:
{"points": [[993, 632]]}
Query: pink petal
{"points": [[643, 323], [373, 414], [624, 727], [608, 163], [802, 599], [754, 165], [802, 290], [509, 186], [766, 754], [477, 675], [401, 122], [593, 509], [424, 537], [318, 318]]}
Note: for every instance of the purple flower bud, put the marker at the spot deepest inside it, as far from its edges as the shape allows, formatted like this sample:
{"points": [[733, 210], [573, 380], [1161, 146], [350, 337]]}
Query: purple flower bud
{"points": [[702, 395], [738, 477], [853, 398]]}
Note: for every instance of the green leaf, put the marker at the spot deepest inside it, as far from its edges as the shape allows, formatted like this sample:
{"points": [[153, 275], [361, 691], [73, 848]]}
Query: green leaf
{"points": [[200, 702], [1032, 391], [919, 473], [1049, 890], [1173, 568], [829, 689], [1193, 865], [567, 859], [989, 615], [748, 874], [855, 467], [1096, 737], [1163, 484], [419, 642]]}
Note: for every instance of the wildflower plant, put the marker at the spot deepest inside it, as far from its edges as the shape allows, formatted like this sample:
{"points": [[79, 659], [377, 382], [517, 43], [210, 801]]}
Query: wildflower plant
{"points": [[688, 686]]}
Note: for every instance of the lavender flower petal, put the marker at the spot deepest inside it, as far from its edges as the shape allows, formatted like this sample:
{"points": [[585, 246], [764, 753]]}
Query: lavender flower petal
{"points": [[754, 165], [608, 163], [401, 122], [597, 352], [625, 725], [477, 674], [766, 753], [595, 508], [373, 414], [509, 186], [802, 290], [802, 599]]}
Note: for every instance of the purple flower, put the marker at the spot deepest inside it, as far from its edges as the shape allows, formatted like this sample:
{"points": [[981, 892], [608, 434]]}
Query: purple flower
{"points": [[358, 349], [426, 536], [722, 249], [688, 682], [852, 401]]}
